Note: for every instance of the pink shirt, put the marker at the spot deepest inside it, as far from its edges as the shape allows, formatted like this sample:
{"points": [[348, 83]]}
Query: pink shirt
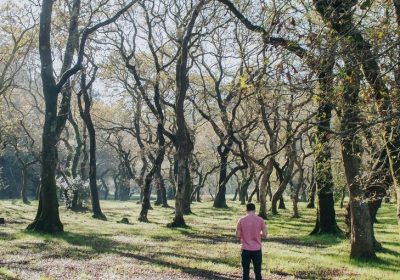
{"points": [[250, 229]]}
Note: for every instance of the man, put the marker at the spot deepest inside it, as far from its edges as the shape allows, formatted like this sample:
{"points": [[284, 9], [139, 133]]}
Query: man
{"points": [[249, 230]]}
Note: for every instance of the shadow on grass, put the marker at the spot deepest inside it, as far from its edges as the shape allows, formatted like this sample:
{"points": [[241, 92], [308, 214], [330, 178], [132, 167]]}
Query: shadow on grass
{"points": [[102, 245], [378, 263], [387, 221], [7, 236], [162, 238], [211, 239], [234, 264], [316, 273], [98, 244], [322, 241], [390, 252], [391, 243], [380, 231], [197, 272]]}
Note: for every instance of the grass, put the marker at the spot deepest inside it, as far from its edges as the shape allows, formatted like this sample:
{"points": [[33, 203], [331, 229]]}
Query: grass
{"points": [[94, 249]]}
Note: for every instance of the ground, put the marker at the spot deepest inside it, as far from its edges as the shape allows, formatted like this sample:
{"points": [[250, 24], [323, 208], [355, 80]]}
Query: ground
{"points": [[94, 249]]}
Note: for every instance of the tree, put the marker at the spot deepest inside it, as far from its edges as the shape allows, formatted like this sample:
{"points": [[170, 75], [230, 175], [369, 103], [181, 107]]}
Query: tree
{"points": [[19, 27], [323, 116], [183, 143], [84, 110], [155, 107], [228, 97], [362, 240], [326, 216], [47, 217]]}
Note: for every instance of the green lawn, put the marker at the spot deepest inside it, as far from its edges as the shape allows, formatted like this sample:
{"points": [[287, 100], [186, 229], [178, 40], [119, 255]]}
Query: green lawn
{"points": [[93, 249]]}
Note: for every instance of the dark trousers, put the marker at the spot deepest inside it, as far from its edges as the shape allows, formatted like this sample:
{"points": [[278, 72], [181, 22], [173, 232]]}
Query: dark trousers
{"points": [[256, 258]]}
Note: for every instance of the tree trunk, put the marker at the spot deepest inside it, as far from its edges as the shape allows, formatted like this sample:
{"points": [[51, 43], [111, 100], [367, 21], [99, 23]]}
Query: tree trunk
{"points": [[83, 168], [281, 203], [75, 162], [220, 197], [181, 177], [326, 216], [362, 237], [116, 188], [146, 196], [155, 171], [236, 193], [263, 188], [161, 193], [311, 203], [343, 24], [124, 189], [159, 197], [255, 191], [243, 194], [342, 198], [295, 192], [164, 197], [94, 193], [47, 217], [246, 184], [188, 191], [37, 191], [75, 200], [198, 198], [106, 189], [141, 180], [373, 207], [269, 191], [303, 196], [85, 114], [257, 188], [381, 183], [297, 184], [362, 245], [183, 143], [287, 176], [23, 189], [295, 201], [195, 193]]}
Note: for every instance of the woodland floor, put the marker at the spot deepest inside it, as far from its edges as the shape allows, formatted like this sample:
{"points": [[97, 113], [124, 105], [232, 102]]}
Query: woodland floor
{"points": [[93, 249]]}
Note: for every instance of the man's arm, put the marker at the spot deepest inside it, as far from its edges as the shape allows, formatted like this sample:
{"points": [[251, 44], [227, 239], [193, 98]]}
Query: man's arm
{"points": [[238, 230], [263, 230]]}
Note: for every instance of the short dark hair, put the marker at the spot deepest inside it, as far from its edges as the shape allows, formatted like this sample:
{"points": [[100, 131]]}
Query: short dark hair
{"points": [[250, 207]]}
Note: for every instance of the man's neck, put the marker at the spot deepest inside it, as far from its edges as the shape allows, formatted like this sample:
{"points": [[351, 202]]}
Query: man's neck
{"points": [[251, 213]]}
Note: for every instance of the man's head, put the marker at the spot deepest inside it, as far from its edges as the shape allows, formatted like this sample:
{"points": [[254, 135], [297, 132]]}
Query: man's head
{"points": [[250, 207]]}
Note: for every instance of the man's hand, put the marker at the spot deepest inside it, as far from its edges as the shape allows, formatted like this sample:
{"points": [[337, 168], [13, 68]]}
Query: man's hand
{"points": [[264, 234], [264, 231]]}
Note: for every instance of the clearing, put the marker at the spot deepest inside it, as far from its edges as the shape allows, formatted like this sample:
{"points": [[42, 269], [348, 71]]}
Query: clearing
{"points": [[93, 249]]}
